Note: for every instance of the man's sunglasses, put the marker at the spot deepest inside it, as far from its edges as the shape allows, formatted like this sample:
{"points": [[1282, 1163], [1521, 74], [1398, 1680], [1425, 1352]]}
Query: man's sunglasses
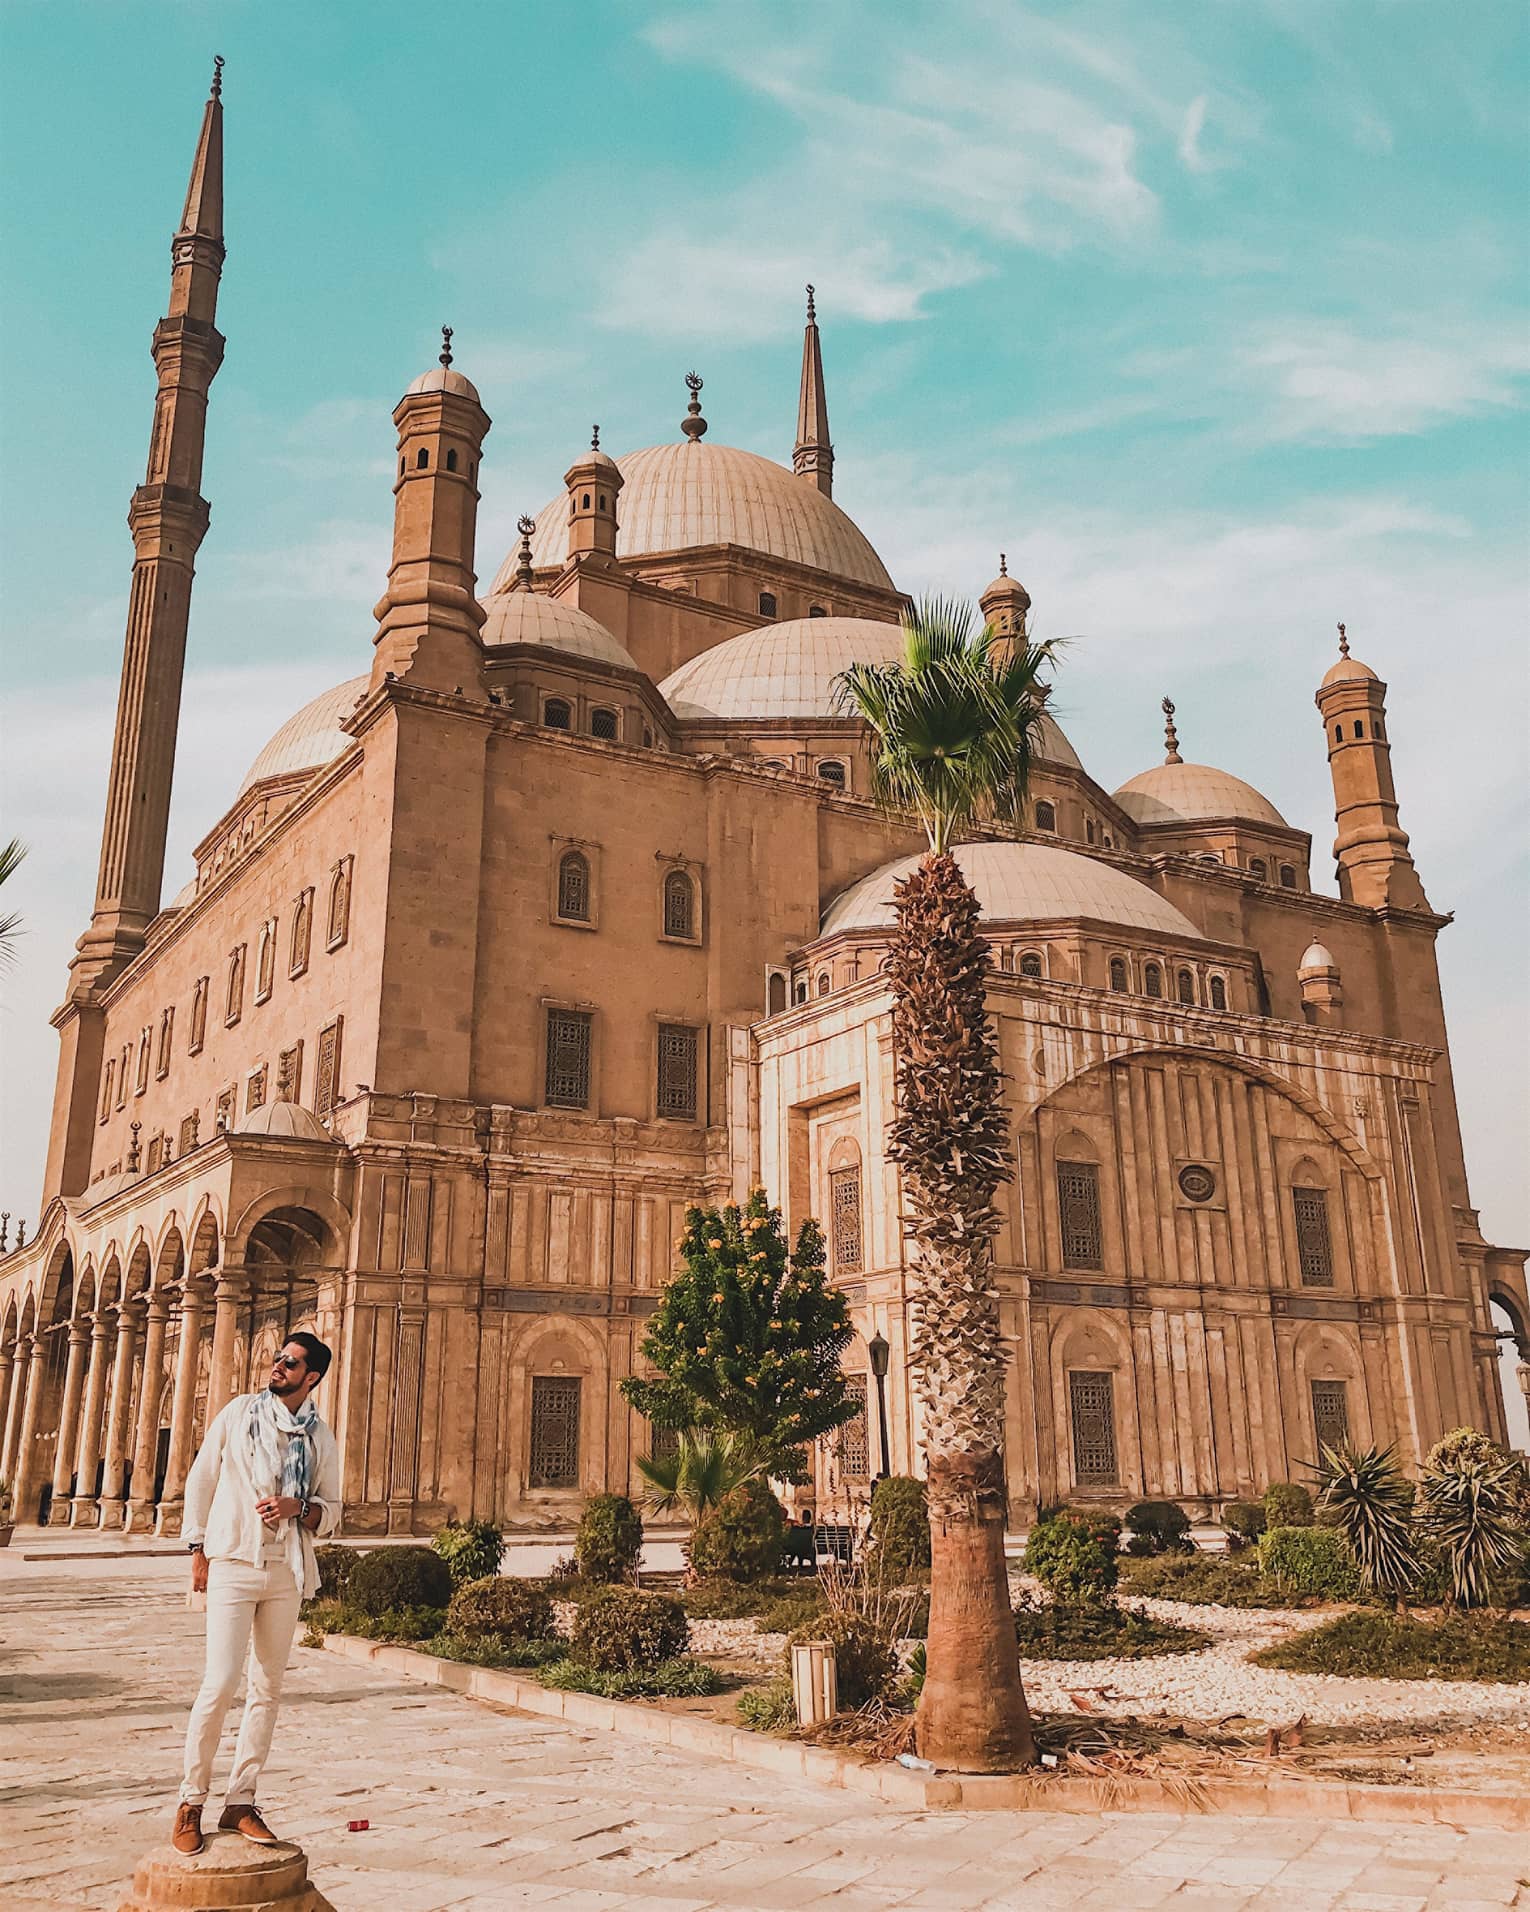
{"points": [[289, 1361]]}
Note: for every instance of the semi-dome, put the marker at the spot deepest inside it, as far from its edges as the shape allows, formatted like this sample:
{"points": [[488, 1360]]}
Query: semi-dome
{"points": [[528, 617], [288, 1121], [310, 738], [680, 496], [1022, 883], [789, 670], [1193, 792]]}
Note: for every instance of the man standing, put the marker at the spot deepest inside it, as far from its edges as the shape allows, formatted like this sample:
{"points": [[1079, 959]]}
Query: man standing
{"points": [[266, 1481]]}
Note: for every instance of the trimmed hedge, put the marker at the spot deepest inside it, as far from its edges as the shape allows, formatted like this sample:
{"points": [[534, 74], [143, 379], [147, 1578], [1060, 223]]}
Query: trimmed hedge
{"points": [[1243, 1521], [1205, 1580], [472, 1549], [1158, 1527], [1287, 1505], [623, 1631], [1107, 1632], [1310, 1560], [900, 1527], [391, 1577], [609, 1542], [742, 1537], [336, 1565], [502, 1609], [1368, 1644], [1074, 1552]]}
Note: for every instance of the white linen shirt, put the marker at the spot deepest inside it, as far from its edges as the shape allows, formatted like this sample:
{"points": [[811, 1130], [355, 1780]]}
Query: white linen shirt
{"points": [[221, 1495]]}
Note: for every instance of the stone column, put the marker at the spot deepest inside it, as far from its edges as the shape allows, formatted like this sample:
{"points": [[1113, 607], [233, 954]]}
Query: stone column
{"points": [[117, 1412], [69, 1412], [140, 1507], [31, 1377], [84, 1512], [7, 1369], [183, 1405], [15, 1358], [232, 1296]]}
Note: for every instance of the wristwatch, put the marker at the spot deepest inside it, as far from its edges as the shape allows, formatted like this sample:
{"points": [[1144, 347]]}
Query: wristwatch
{"points": [[305, 1507]]}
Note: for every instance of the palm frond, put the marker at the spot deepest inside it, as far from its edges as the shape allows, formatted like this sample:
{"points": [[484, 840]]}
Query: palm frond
{"points": [[12, 855]]}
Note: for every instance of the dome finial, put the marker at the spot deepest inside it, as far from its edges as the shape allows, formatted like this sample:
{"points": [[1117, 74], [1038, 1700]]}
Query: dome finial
{"points": [[812, 315], [446, 345], [693, 424], [1343, 642], [217, 78], [594, 438], [1170, 734], [526, 526], [1003, 565]]}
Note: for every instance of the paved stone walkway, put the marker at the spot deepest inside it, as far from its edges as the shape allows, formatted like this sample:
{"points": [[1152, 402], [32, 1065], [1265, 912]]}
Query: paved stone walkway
{"points": [[474, 1807]]}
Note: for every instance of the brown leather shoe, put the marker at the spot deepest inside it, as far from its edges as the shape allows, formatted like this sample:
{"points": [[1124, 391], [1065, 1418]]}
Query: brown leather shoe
{"points": [[245, 1819], [187, 1836]]}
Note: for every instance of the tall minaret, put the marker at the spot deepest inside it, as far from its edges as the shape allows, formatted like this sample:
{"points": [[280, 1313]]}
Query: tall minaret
{"points": [[813, 455], [1371, 848], [168, 519]]}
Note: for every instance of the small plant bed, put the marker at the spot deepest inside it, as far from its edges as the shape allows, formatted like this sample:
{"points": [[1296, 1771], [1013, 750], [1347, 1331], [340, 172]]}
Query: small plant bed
{"points": [[1202, 1580], [1370, 1645], [1062, 1630], [679, 1678]]}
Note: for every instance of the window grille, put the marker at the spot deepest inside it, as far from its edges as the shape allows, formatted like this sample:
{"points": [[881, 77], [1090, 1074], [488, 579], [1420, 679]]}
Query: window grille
{"points": [[679, 905], [556, 714], [1257, 867], [1314, 1244], [1330, 1413], [663, 1443], [824, 984], [574, 886], [1118, 976], [603, 724], [1030, 964], [568, 1059], [1185, 986], [554, 1431], [1078, 1204], [678, 1050], [767, 604], [1152, 980], [831, 770], [1092, 1406], [326, 1077], [1287, 877], [1218, 993], [845, 1211], [1046, 816], [852, 1445], [302, 933]]}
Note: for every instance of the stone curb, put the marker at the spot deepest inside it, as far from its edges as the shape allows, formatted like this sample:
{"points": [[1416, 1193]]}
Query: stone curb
{"points": [[1289, 1798]]}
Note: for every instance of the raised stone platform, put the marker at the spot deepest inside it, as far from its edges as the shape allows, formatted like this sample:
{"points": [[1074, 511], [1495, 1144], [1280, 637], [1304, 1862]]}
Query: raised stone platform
{"points": [[229, 1872]]}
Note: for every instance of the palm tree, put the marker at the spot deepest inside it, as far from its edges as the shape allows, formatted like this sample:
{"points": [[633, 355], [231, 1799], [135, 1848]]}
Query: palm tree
{"points": [[955, 722], [702, 1469], [11, 857]]}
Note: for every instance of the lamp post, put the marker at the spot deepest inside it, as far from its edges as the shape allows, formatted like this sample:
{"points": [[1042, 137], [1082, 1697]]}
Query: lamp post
{"points": [[880, 1354]]}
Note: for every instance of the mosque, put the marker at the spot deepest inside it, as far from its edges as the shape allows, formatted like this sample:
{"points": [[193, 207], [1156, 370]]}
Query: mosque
{"points": [[567, 910]]}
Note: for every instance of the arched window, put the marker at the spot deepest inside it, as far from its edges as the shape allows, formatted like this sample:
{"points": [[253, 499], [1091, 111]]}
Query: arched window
{"points": [[823, 982], [802, 990], [451, 460], [1078, 1214], [831, 770], [775, 763], [1030, 964], [775, 994], [1119, 978], [402, 463], [302, 932], [1046, 816], [198, 1015], [557, 714], [1209, 859], [817, 610], [339, 904], [845, 1217], [1218, 993], [1152, 980], [1089, 829], [1258, 867], [166, 1031], [584, 503], [1287, 877], [1359, 728], [603, 724], [679, 905], [1184, 986], [233, 1001], [422, 459], [574, 886], [1338, 733], [767, 604], [265, 960]]}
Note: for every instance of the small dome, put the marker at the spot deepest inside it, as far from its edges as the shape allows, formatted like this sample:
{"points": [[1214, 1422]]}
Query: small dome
{"points": [[1194, 792], [108, 1186], [1347, 670], [789, 670], [1022, 883], [1316, 956], [680, 496], [289, 1121], [309, 739], [443, 378], [527, 617]]}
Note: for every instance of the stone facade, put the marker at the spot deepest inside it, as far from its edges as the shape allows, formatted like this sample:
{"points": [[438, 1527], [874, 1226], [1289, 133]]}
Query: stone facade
{"points": [[569, 912]]}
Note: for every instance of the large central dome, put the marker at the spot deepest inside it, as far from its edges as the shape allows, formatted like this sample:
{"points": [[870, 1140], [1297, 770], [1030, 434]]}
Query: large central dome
{"points": [[680, 496]]}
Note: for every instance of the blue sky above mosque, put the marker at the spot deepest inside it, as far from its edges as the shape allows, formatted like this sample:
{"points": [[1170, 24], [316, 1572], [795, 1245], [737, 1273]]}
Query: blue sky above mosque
{"points": [[1209, 316]]}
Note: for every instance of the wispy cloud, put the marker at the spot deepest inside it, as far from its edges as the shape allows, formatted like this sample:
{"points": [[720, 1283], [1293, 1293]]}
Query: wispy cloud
{"points": [[1191, 156]]}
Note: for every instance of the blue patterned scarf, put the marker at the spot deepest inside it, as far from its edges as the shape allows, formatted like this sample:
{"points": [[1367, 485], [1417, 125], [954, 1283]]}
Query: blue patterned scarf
{"points": [[282, 1466]]}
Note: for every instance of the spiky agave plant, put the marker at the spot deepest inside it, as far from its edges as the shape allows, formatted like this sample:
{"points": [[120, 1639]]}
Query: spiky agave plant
{"points": [[1469, 1504], [1370, 1500], [954, 722]]}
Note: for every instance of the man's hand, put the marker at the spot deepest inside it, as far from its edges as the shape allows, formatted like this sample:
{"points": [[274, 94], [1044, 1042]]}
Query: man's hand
{"points": [[199, 1573], [277, 1507]]}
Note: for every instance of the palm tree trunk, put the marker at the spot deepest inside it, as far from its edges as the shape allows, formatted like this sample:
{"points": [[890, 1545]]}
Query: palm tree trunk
{"points": [[950, 1142]]}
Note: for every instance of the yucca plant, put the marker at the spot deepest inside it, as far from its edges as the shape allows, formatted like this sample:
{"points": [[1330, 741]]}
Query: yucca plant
{"points": [[1370, 1501], [954, 723], [1469, 1503]]}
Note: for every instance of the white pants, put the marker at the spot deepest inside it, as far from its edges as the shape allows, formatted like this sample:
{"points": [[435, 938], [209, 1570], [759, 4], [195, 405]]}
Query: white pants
{"points": [[251, 1616]]}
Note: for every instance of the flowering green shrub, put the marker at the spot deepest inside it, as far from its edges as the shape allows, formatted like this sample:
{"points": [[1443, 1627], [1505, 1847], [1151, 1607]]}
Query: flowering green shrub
{"points": [[1074, 1552], [470, 1548]]}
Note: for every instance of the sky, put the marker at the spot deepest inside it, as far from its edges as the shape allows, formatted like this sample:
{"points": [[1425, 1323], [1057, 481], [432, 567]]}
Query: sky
{"points": [[1211, 316]]}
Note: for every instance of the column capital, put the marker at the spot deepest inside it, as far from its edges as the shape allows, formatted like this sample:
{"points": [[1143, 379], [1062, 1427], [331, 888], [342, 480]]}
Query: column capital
{"points": [[233, 1285], [157, 1304], [80, 1327]]}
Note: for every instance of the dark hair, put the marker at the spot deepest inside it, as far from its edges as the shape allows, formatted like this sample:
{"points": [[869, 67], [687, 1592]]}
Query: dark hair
{"points": [[315, 1353]]}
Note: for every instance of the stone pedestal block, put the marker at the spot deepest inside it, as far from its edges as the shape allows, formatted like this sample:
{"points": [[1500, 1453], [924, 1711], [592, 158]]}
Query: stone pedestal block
{"points": [[229, 1872]]}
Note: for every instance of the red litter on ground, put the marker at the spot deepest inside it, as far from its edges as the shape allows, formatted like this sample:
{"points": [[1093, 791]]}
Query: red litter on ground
{"points": [[358, 1825]]}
